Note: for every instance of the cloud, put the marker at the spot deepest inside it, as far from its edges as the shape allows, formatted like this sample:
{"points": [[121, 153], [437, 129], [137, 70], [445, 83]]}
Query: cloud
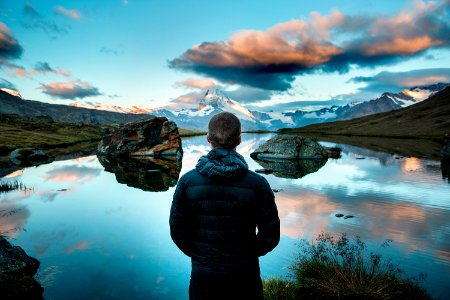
{"points": [[393, 81], [44, 67], [9, 46], [245, 94], [110, 51], [69, 90], [197, 83], [35, 21], [72, 14], [187, 101], [7, 84], [273, 58]]}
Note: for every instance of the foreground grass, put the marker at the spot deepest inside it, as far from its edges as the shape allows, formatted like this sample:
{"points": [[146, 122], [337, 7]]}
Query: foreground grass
{"points": [[11, 186], [24, 132], [340, 268]]}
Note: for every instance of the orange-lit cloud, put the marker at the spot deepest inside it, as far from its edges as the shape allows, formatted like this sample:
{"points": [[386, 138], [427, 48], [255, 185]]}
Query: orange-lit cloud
{"points": [[271, 59], [197, 83], [303, 213], [73, 174], [80, 246], [69, 90], [13, 218], [9, 46], [72, 14], [44, 67], [411, 164]]}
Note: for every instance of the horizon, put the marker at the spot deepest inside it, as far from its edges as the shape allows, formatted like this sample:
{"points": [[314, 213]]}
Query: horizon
{"points": [[127, 53]]}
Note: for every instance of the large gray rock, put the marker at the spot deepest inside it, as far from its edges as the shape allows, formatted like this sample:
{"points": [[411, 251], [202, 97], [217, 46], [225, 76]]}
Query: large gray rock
{"points": [[155, 137], [16, 273], [288, 168], [290, 147]]}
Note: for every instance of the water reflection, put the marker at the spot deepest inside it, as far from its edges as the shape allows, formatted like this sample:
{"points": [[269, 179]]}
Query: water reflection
{"points": [[148, 174], [116, 243], [290, 168]]}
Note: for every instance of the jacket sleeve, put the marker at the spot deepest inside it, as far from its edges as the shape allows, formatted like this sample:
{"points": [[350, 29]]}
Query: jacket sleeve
{"points": [[178, 221], [268, 222]]}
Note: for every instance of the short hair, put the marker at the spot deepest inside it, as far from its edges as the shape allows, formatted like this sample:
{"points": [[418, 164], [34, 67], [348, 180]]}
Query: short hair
{"points": [[224, 130]]}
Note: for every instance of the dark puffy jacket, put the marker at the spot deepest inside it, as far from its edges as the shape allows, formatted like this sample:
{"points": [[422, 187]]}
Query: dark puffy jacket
{"points": [[223, 215]]}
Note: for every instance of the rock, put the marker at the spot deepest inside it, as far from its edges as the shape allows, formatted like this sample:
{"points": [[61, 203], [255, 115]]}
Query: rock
{"points": [[155, 137], [105, 130], [264, 171], [290, 147], [291, 156], [16, 273], [145, 173], [339, 215], [333, 152], [348, 217], [292, 168], [27, 156], [445, 150]]}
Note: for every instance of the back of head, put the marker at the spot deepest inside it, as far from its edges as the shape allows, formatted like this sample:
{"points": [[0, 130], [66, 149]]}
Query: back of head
{"points": [[224, 131]]}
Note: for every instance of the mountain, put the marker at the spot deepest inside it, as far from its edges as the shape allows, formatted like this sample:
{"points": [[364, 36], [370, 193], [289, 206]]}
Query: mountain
{"points": [[214, 102], [14, 104], [429, 118], [387, 102]]}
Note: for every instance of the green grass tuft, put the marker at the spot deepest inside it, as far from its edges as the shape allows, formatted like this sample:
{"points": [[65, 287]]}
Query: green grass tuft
{"points": [[341, 268]]}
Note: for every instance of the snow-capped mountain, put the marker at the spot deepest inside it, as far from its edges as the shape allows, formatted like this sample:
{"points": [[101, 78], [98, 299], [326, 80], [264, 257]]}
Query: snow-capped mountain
{"points": [[214, 101], [387, 102]]}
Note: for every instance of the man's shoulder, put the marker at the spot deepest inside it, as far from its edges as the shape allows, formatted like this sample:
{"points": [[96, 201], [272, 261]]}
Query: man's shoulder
{"points": [[256, 178]]}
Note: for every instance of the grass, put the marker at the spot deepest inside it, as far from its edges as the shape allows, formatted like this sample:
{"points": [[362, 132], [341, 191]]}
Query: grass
{"points": [[25, 132], [187, 132], [341, 268], [11, 186]]}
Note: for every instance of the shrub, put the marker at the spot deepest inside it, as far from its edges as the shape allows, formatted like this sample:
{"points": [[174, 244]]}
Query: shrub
{"points": [[10, 186], [337, 267]]}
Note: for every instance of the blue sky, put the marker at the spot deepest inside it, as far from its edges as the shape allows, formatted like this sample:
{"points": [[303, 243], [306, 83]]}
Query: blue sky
{"points": [[266, 54]]}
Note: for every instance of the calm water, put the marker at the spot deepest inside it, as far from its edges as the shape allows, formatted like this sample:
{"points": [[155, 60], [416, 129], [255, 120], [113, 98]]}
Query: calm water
{"points": [[97, 238]]}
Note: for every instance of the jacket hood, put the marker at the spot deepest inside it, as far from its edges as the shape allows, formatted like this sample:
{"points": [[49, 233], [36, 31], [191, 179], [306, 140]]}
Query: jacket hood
{"points": [[222, 163]]}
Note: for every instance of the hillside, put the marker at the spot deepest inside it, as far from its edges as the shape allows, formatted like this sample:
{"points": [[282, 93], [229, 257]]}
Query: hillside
{"points": [[10, 104], [429, 119]]}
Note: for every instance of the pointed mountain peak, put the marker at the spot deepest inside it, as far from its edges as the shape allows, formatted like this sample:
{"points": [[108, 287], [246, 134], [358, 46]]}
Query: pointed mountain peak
{"points": [[214, 98]]}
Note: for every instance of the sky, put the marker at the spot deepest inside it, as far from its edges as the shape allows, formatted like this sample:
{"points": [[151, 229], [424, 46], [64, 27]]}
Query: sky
{"points": [[268, 55]]}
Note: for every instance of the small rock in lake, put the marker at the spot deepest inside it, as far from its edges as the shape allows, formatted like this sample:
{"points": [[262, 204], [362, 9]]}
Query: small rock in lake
{"points": [[265, 171], [62, 190], [276, 191], [360, 157], [339, 215], [348, 217]]}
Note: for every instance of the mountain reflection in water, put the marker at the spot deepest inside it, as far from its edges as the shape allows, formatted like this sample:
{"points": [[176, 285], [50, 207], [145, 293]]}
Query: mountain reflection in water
{"points": [[146, 173]]}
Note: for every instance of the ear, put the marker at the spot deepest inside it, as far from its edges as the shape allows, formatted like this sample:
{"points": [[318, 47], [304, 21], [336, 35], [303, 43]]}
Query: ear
{"points": [[208, 138], [238, 141]]}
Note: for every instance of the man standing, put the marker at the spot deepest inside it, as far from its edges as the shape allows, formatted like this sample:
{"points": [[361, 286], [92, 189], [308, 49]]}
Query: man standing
{"points": [[224, 217]]}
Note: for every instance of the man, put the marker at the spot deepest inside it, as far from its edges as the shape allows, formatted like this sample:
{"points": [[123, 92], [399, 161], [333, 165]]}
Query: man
{"points": [[224, 217]]}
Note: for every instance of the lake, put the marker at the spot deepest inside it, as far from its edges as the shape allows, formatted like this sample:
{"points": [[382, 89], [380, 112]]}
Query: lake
{"points": [[100, 228]]}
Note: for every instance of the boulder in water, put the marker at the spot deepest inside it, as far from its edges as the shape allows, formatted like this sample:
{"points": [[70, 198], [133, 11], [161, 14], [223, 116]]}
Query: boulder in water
{"points": [[155, 137]]}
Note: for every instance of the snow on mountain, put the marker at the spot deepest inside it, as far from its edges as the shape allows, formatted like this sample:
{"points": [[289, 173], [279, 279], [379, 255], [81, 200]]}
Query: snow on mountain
{"points": [[11, 92], [214, 102], [135, 109], [216, 99]]}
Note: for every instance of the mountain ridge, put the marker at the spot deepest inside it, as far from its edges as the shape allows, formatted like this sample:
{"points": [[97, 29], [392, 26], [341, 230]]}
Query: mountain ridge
{"points": [[427, 119], [10, 104]]}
